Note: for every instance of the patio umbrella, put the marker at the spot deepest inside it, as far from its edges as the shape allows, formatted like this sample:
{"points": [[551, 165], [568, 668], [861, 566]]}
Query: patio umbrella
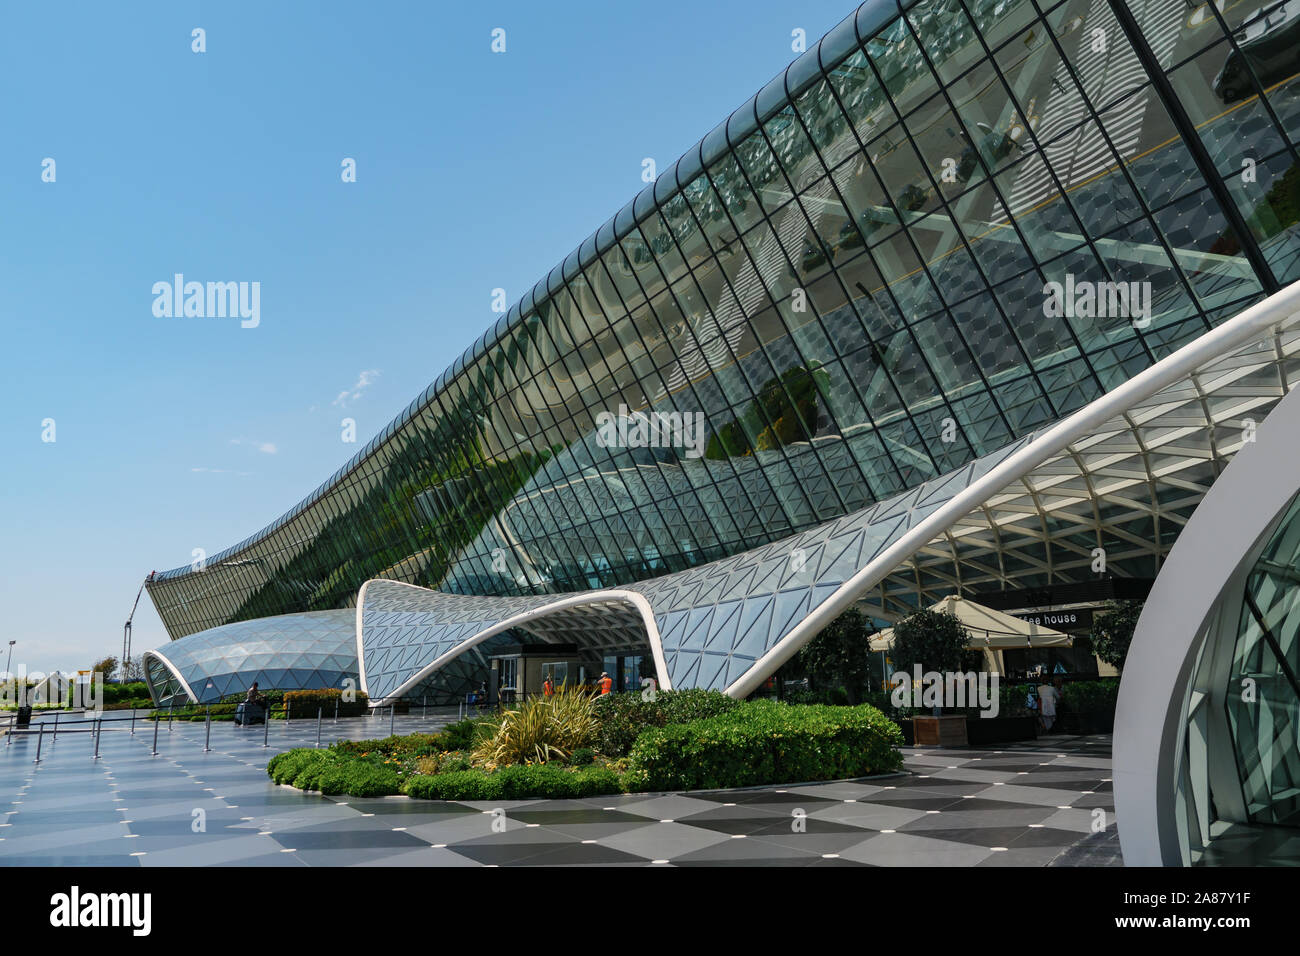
{"points": [[990, 631]]}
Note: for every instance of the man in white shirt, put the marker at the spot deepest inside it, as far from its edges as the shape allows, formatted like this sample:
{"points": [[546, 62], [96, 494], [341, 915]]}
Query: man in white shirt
{"points": [[1048, 697]]}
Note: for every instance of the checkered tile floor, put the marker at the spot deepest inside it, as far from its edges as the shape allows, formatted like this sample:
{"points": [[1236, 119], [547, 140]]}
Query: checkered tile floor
{"points": [[1019, 806]]}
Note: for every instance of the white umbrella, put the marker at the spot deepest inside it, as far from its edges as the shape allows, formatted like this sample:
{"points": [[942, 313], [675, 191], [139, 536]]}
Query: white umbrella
{"points": [[990, 630]]}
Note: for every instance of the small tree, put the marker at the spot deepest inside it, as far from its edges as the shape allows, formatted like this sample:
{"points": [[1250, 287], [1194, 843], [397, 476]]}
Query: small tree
{"points": [[1112, 630], [133, 670], [841, 655], [107, 667], [933, 639]]}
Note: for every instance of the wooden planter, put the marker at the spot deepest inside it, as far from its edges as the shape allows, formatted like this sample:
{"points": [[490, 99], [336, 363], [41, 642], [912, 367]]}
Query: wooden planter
{"points": [[939, 731]]}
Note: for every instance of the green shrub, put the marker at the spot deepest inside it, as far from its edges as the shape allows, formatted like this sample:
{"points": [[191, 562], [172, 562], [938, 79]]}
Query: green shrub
{"points": [[763, 742], [316, 765], [464, 734], [358, 778], [458, 785], [521, 781], [597, 781], [1091, 696], [398, 745], [330, 772], [306, 703], [285, 767], [624, 716], [112, 695], [582, 757], [516, 782]]}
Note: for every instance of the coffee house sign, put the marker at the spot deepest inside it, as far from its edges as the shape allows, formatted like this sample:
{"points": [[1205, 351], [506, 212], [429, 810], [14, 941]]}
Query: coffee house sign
{"points": [[1073, 620]]}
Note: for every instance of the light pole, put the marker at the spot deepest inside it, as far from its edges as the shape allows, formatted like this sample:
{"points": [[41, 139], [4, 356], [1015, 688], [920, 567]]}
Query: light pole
{"points": [[11, 658]]}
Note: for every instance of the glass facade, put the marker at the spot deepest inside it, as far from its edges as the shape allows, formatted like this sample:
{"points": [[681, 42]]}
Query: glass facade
{"points": [[1265, 724], [836, 296], [1236, 796], [291, 652]]}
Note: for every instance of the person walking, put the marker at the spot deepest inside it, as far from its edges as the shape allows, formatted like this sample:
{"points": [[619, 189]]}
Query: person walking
{"points": [[548, 688], [1049, 695], [606, 684]]}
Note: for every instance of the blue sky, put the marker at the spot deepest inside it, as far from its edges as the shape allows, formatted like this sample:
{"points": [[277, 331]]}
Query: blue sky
{"points": [[475, 171]]}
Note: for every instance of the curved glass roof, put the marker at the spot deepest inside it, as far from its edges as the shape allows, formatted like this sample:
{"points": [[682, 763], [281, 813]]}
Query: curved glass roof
{"points": [[839, 294]]}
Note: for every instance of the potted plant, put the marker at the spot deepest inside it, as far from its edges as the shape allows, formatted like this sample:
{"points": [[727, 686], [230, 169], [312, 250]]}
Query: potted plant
{"points": [[925, 643]]}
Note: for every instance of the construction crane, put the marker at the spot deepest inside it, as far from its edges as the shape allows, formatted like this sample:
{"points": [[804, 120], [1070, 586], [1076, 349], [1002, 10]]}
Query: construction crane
{"points": [[126, 628]]}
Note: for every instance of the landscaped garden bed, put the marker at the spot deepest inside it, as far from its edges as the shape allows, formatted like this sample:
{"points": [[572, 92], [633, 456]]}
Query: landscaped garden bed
{"points": [[573, 745]]}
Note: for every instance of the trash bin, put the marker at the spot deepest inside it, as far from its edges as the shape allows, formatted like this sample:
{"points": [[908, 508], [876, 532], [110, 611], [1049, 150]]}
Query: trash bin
{"points": [[24, 717]]}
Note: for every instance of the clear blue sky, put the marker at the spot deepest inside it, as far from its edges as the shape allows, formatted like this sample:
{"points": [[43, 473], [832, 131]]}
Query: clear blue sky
{"points": [[474, 171]]}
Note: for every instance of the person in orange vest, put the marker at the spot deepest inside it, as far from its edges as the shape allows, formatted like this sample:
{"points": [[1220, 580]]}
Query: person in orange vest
{"points": [[605, 683], [548, 688]]}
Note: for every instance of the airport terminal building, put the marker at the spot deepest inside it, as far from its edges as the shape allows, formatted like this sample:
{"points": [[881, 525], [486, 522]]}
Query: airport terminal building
{"points": [[977, 297]]}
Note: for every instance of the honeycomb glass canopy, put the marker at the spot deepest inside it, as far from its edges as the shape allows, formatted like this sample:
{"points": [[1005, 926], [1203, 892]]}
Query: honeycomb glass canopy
{"points": [[288, 652]]}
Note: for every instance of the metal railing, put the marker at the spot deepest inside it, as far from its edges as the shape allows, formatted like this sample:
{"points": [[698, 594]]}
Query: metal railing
{"points": [[94, 725]]}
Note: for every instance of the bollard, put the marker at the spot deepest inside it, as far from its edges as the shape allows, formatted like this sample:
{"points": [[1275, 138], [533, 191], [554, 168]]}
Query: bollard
{"points": [[336, 708], [266, 726], [171, 710], [132, 721], [56, 726], [287, 705], [424, 705], [392, 719], [155, 733], [99, 725], [207, 738], [318, 714], [39, 740]]}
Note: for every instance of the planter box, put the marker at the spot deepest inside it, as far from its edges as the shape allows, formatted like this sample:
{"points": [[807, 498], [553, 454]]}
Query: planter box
{"points": [[939, 731], [1001, 730], [1085, 722]]}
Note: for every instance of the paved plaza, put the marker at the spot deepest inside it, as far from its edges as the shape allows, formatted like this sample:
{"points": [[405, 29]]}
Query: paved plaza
{"points": [[1023, 805]]}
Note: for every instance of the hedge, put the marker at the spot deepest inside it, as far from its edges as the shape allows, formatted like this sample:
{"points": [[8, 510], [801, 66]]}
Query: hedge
{"points": [[306, 703], [458, 736], [1091, 696], [624, 716], [763, 742], [330, 772], [514, 783]]}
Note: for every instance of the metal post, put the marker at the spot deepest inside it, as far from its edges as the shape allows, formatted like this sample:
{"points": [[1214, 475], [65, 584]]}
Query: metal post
{"points": [[336, 708], [156, 720], [319, 711], [266, 725], [132, 721], [207, 737], [286, 714], [56, 726], [392, 719], [39, 740], [424, 706], [99, 726], [171, 710]]}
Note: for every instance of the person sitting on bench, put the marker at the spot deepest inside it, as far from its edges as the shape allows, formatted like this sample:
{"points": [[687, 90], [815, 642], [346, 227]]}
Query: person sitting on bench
{"points": [[253, 709]]}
